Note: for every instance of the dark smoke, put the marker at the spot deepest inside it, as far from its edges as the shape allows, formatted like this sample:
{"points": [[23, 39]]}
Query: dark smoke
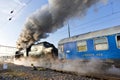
{"points": [[51, 17]]}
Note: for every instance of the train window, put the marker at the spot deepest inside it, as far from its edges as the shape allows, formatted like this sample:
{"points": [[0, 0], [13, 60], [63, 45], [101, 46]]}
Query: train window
{"points": [[81, 46], [101, 43], [118, 41]]}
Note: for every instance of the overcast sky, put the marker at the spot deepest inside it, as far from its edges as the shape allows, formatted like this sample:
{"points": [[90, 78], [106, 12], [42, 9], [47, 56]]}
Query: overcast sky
{"points": [[97, 17]]}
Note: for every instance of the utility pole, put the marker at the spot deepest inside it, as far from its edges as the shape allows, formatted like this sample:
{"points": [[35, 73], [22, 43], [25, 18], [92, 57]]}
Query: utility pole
{"points": [[69, 30]]}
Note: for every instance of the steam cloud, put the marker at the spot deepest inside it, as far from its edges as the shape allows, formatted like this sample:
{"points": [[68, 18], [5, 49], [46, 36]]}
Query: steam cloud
{"points": [[51, 17], [93, 66]]}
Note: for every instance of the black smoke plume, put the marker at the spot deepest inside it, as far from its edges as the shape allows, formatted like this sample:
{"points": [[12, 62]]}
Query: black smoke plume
{"points": [[51, 17]]}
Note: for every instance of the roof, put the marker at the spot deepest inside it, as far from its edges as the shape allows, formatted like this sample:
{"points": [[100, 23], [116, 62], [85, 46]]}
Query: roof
{"points": [[45, 44], [98, 33], [7, 46]]}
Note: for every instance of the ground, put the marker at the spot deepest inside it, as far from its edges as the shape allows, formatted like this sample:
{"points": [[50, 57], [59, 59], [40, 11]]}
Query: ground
{"points": [[19, 72]]}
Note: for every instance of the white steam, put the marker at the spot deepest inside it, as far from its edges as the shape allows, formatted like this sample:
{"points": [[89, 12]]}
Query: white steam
{"points": [[93, 66]]}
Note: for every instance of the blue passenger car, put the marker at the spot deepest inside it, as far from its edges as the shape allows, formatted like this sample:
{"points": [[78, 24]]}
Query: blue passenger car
{"points": [[102, 44]]}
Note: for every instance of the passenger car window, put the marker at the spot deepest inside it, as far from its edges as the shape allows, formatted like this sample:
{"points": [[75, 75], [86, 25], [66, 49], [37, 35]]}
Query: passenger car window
{"points": [[81, 46], [118, 41], [101, 43]]}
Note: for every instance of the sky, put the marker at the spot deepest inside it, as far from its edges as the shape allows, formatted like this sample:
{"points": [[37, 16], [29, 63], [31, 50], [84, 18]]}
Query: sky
{"points": [[99, 16]]}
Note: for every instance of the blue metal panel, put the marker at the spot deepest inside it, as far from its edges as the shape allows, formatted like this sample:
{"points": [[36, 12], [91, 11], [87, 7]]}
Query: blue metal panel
{"points": [[70, 50], [90, 45], [113, 52], [112, 42]]}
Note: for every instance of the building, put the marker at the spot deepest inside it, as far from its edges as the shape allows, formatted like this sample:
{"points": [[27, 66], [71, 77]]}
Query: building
{"points": [[7, 52]]}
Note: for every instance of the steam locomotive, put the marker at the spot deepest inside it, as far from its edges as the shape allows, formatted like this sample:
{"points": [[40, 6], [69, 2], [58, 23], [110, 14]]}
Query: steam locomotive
{"points": [[102, 44], [38, 50]]}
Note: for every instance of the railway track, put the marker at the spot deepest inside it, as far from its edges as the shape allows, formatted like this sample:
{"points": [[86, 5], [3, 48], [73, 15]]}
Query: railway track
{"points": [[59, 67], [88, 76], [50, 74], [102, 77], [48, 67]]}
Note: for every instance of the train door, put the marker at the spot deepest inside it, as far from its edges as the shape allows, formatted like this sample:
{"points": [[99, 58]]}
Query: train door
{"points": [[61, 54], [70, 50]]}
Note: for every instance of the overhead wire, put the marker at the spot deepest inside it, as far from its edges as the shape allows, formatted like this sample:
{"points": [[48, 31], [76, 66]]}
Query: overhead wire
{"points": [[101, 16], [95, 20], [105, 16], [77, 25], [86, 23], [88, 27], [16, 13], [20, 9]]}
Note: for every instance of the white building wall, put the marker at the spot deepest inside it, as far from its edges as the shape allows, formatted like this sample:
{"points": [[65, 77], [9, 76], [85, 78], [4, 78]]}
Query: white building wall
{"points": [[7, 50]]}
